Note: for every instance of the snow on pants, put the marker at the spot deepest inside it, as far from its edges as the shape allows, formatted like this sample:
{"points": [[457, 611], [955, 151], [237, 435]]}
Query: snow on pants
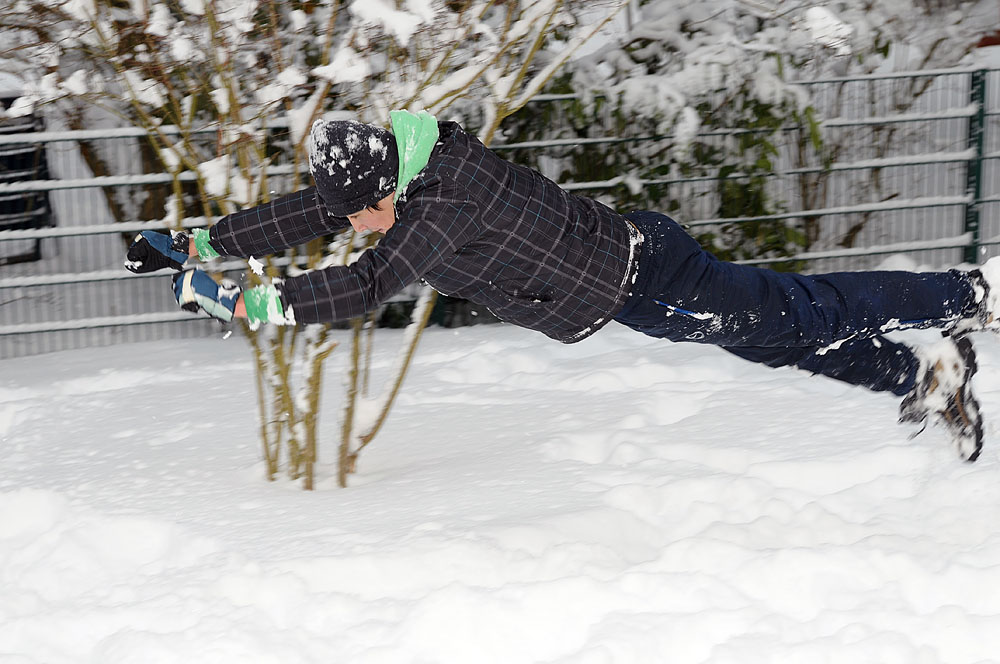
{"points": [[829, 324]]}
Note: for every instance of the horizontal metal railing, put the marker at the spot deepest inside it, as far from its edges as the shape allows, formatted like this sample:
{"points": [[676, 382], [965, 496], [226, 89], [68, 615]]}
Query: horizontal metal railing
{"points": [[78, 302]]}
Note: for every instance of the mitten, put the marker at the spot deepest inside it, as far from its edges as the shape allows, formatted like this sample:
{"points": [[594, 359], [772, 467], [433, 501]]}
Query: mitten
{"points": [[263, 305], [155, 250], [196, 291]]}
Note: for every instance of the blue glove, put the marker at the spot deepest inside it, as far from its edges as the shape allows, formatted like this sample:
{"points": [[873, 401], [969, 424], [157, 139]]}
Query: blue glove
{"points": [[196, 291], [155, 250]]}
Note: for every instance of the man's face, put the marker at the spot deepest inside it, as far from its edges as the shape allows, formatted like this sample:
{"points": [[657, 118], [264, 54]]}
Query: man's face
{"points": [[375, 220]]}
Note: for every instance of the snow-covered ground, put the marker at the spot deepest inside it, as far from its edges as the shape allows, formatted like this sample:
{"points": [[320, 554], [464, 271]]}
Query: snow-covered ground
{"points": [[619, 500]]}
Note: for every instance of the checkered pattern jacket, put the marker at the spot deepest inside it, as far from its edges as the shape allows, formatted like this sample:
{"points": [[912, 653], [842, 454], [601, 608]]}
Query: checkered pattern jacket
{"points": [[472, 225]]}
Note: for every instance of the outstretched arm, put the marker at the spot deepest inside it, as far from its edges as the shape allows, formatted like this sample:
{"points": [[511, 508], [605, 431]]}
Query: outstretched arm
{"points": [[266, 229], [435, 223], [258, 231]]}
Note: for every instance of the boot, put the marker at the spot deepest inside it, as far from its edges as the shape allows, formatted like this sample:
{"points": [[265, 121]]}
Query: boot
{"points": [[986, 283], [943, 394]]}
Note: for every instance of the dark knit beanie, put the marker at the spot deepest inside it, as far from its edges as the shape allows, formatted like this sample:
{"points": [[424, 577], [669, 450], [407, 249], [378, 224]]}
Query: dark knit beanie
{"points": [[354, 165]]}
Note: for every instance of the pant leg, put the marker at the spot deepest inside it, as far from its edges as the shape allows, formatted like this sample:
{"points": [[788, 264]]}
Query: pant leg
{"points": [[683, 293], [876, 363]]}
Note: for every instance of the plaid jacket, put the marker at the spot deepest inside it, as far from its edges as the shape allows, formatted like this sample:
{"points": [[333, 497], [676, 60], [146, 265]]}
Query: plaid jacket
{"points": [[471, 225]]}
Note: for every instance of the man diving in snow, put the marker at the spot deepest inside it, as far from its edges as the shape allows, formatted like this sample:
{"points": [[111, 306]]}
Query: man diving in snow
{"points": [[475, 226]]}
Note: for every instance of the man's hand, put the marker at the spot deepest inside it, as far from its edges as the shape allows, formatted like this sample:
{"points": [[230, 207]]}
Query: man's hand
{"points": [[196, 291], [156, 250]]}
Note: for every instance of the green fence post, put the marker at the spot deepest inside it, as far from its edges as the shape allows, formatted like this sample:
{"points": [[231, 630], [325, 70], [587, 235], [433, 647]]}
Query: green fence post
{"points": [[974, 170]]}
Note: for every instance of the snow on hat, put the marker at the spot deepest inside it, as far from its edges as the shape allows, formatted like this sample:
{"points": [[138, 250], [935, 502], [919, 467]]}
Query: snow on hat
{"points": [[354, 164]]}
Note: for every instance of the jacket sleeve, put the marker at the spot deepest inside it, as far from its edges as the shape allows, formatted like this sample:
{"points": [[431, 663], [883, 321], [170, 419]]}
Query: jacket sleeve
{"points": [[266, 229], [431, 226]]}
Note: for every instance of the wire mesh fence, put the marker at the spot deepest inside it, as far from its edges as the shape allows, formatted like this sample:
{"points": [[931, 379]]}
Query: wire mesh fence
{"points": [[58, 301], [894, 176]]}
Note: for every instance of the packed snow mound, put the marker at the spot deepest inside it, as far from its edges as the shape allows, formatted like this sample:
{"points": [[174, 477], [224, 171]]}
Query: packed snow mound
{"points": [[618, 500]]}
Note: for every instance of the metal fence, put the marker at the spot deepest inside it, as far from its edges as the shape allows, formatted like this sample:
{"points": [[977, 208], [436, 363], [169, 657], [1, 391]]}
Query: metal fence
{"points": [[911, 168]]}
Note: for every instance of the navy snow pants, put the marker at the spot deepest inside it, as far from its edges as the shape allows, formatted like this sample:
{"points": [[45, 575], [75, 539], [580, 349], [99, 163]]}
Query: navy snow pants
{"points": [[830, 324]]}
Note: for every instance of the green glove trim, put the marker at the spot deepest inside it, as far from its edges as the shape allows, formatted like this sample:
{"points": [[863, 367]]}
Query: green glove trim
{"points": [[416, 134], [263, 305], [205, 250]]}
